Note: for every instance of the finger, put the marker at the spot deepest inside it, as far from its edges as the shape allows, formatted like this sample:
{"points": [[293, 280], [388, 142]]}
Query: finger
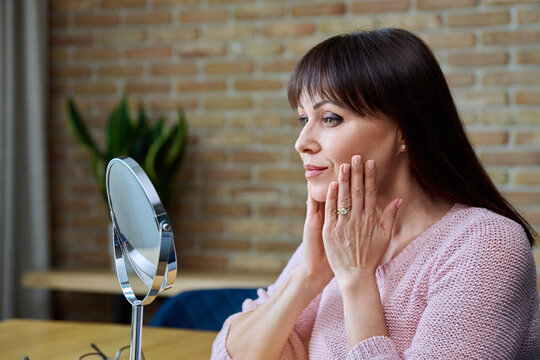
{"points": [[330, 218], [389, 217], [344, 188], [370, 197], [357, 183]]}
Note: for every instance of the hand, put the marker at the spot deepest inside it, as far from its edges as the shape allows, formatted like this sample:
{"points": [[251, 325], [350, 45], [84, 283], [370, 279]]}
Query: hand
{"points": [[355, 243], [315, 264]]}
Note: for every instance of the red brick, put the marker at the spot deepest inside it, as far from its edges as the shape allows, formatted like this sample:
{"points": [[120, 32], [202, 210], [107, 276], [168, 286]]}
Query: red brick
{"points": [[201, 86], [96, 20], [477, 19], [96, 54], [172, 105], [173, 35], [511, 37], [286, 66], [227, 175], [260, 49], [225, 244], [200, 225], [258, 84], [122, 3], [528, 57], [228, 139], [201, 50], [412, 22], [527, 97], [453, 40], [511, 78], [121, 70], [277, 246], [149, 53], [121, 36], [147, 87], [203, 15], [256, 157], [98, 88], [343, 25], [58, 21], [226, 209], [486, 138], [301, 46], [257, 120], [258, 11], [481, 98], [376, 6], [69, 72], [229, 68], [71, 5], [261, 264], [229, 103], [282, 211], [460, 79], [444, 4], [527, 137], [173, 69], [478, 59], [527, 177], [288, 29], [511, 158], [229, 32], [321, 9], [506, 2], [207, 121], [529, 16], [254, 227], [149, 18], [282, 175], [175, 2], [71, 39], [522, 197]]}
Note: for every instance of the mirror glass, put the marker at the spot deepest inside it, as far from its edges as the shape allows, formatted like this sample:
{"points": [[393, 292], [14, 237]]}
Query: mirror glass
{"points": [[135, 221]]}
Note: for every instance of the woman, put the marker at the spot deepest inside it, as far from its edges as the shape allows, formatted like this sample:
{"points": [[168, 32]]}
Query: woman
{"points": [[409, 251]]}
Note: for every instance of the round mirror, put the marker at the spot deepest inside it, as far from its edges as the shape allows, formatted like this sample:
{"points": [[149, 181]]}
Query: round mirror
{"points": [[143, 242]]}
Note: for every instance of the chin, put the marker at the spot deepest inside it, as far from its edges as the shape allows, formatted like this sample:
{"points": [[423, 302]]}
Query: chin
{"points": [[318, 191]]}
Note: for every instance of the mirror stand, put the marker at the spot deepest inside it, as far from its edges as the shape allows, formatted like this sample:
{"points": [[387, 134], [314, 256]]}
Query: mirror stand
{"points": [[143, 241]]}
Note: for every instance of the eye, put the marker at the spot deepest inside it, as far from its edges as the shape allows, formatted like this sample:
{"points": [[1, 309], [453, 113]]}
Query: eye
{"points": [[331, 119], [303, 120]]}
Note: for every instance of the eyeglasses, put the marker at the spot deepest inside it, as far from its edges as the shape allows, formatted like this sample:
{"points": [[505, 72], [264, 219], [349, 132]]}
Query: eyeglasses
{"points": [[99, 355]]}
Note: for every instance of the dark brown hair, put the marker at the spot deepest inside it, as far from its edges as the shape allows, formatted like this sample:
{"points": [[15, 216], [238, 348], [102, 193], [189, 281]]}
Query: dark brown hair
{"points": [[393, 72]]}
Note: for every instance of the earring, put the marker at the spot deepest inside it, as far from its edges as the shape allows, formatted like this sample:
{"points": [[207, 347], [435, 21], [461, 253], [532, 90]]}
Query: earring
{"points": [[403, 147]]}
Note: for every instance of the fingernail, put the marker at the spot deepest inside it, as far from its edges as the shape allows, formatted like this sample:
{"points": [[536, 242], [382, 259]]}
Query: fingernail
{"points": [[371, 164], [357, 160], [398, 204], [345, 168]]}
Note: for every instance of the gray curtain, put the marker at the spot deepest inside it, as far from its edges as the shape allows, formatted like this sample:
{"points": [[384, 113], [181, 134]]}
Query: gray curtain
{"points": [[24, 231]]}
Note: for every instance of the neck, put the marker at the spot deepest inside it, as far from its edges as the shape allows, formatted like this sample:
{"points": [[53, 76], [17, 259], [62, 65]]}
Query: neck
{"points": [[418, 212]]}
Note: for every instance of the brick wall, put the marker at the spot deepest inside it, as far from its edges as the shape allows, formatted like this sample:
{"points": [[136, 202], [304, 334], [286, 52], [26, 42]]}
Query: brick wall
{"points": [[239, 200]]}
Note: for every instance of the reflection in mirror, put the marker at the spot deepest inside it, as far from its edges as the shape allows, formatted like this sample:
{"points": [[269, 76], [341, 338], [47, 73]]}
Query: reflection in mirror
{"points": [[143, 243]]}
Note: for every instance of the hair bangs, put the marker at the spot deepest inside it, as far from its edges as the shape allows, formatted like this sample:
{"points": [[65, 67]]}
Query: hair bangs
{"points": [[324, 72]]}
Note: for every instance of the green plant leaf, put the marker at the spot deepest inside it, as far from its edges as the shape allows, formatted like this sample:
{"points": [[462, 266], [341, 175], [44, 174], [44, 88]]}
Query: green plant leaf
{"points": [[141, 140], [79, 130], [98, 167], [119, 130], [176, 153]]}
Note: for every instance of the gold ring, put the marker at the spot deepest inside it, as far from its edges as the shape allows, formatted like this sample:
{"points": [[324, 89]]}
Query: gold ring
{"points": [[343, 211]]}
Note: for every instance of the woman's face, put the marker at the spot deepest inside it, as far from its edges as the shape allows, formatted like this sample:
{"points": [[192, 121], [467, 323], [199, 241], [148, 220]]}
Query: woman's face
{"points": [[332, 135]]}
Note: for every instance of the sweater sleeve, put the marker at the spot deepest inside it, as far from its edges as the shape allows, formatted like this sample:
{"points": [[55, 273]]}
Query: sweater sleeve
{"points": [[482, 302], [298, 341]]}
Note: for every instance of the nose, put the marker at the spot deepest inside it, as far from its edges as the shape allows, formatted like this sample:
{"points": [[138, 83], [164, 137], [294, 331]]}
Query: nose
{"points": [[307, 140]]}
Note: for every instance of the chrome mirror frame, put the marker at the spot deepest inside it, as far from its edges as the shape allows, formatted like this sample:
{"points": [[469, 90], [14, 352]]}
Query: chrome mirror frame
{"points": [[163, 275]]}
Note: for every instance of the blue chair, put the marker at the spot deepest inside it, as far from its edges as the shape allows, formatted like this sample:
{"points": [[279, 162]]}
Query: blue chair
{"points": [[201, 309]]}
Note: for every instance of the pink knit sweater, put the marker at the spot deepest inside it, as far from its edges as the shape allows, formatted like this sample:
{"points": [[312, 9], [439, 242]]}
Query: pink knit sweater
{"points": [[464, 289]]}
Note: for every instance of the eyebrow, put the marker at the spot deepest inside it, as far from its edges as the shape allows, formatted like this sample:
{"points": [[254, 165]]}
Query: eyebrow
{"points": [[319, 104]]}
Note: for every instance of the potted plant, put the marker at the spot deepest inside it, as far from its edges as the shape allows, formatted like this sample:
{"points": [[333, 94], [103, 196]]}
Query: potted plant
{"points": [[157, 147]]}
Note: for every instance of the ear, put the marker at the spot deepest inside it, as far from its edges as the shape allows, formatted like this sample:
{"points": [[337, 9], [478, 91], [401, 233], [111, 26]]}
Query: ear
{"points": [[400, 141]]}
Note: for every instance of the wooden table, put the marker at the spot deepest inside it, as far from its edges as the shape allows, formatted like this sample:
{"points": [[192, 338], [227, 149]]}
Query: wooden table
{"points": [[106, 282], [45, 340]]}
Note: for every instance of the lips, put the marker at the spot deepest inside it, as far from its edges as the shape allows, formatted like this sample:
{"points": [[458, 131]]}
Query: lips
{"points": [[313, 170]]}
